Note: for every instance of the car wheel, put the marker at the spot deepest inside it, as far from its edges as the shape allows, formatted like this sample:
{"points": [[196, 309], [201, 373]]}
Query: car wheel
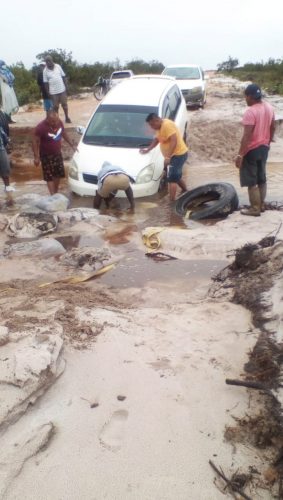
{"points": [[211, 201]]}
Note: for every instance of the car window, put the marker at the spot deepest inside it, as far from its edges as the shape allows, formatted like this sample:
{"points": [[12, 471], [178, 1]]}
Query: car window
{"points": [[120, 126], [174, 102], [166, 108], [183, 73], [120, 74]]}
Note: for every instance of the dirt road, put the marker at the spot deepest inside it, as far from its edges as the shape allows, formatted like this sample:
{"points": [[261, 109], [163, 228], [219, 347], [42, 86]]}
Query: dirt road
{"points": [[115, 388]]}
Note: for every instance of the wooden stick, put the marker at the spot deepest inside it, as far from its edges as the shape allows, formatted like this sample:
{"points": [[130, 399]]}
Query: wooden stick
{"points": [[228, 482], [251, 385]]}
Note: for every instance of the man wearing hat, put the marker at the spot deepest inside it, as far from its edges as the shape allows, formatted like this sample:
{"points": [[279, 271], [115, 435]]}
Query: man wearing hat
{"points": [[259, 126]]}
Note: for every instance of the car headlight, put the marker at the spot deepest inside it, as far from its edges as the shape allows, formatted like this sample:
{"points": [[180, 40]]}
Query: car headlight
{"points": [[145, 174], [195, 90], [73, 170]]}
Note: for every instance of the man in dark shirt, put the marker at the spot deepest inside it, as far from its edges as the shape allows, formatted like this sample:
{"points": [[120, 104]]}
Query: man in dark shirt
{"points": [[46, 143], [47, 103]]}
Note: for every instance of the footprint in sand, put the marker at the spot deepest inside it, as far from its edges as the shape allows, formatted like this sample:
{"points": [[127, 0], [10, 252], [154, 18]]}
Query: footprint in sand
{"points": [[112, 433]]}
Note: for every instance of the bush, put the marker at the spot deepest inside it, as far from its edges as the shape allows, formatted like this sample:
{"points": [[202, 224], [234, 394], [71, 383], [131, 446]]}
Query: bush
{"points": [[78, 75]]}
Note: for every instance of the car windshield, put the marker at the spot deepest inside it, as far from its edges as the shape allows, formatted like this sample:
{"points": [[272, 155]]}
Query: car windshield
{"points": [[120, 126], [120, 74], [183, 73]]}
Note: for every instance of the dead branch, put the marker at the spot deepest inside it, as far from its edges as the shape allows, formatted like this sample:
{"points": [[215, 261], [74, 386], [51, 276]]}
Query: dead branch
{"points": [[251, 385], [228, 482]]}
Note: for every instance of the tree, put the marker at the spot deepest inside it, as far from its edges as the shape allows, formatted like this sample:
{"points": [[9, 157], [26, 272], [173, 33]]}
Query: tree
{"points": [[228, 65]]}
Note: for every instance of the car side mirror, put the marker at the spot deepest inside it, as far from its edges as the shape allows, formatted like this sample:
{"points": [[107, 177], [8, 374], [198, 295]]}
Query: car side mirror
{"points": [[80, 129]]}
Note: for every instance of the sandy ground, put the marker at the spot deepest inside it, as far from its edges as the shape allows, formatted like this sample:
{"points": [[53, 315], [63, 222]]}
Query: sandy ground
{"points": [[135, 361]]}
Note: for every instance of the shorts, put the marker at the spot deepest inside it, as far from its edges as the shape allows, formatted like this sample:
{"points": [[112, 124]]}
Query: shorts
{"points": [[253, 171], [175, 168], [59, 99], [112, 183], [47, 104], [52, 167], [4, 164]]}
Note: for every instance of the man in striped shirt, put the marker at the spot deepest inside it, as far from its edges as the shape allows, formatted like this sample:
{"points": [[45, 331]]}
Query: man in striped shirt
{"points": [[54, 80]]}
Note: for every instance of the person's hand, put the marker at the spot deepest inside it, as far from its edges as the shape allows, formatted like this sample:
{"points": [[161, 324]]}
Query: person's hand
{"points": [[143, 151], [36, 161], [239, 161], [166, 162]]}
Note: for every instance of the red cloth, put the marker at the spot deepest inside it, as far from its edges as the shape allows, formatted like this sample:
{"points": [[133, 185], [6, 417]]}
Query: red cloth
{"points": [[50, 138]]}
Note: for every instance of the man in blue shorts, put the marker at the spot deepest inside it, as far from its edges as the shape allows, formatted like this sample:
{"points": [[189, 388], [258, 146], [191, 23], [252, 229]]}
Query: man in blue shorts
{"points": [[173, 148]]}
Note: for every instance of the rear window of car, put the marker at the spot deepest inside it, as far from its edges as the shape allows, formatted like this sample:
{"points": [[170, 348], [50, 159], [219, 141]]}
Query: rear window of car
{"points": [[120, 126], [120, 74], [183, 73]]}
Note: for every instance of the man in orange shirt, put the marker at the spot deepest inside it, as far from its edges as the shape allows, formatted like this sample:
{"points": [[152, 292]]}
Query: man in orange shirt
{"points": [[173, 148]]}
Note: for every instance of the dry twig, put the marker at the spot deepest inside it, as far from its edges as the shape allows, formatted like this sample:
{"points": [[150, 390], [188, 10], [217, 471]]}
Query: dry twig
{"points": [[228, 482]]}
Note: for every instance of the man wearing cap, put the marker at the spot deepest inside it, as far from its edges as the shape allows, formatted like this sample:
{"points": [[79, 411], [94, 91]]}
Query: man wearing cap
{"points": [[109, 180], [259, 127]]}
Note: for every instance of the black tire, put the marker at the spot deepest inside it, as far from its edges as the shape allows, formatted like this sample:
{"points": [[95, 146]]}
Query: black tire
{"points": [[99, 92], [211, 201]]}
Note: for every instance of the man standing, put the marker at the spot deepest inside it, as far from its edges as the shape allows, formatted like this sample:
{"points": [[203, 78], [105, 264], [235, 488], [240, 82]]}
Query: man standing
{"points": [[54, 79], [47, 103], [109, 179], [173, 148], [259, 127], [46, 145]]}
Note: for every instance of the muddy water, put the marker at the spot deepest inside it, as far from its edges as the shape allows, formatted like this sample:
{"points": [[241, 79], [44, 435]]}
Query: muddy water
{"points": [[136, 269]]}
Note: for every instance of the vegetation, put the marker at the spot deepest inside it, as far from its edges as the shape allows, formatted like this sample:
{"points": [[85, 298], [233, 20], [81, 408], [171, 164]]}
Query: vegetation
{"points": [[79, 75], [268, 75]]}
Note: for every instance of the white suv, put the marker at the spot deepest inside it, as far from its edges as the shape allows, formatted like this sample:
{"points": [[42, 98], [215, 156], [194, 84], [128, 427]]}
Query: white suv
{"points": [[117, 130], [119, 76], [191, 81]]}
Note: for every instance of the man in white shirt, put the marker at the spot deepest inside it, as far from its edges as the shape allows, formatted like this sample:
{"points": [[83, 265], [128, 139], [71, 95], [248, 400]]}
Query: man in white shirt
{"points": [[54, 80]]}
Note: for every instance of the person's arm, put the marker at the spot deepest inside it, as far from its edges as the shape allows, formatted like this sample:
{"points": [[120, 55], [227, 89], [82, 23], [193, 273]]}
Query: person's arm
{"points": [[152, 145], [97, 200], [272, 130], [35, 148], [45, 82], [68, 140], [130, 196], [245, 141], [172, 145]]}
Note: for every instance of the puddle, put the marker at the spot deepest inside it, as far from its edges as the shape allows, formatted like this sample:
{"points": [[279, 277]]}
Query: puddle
{"points": [[77, 241], [138, 270]]}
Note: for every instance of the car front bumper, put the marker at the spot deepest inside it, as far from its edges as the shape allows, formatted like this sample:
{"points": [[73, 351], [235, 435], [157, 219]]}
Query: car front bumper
{"points": [[83, 188], [193, 98]]}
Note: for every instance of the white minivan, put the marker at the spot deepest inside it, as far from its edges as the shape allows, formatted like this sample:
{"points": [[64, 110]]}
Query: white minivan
{"points": [[117, 130], [190, 78]]}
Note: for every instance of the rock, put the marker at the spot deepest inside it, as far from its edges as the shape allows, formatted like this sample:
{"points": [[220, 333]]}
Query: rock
{"points": [[29, 365], [45, 248], [53, 203], [3, 222], [83, 336], [86, 258], [14, 454], [121, 398], [30, 224], [4, 335]]}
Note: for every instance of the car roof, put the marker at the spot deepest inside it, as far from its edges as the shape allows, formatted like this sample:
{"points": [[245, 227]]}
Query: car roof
{"points": [[122, 71], [141, 90], [183, 66]]}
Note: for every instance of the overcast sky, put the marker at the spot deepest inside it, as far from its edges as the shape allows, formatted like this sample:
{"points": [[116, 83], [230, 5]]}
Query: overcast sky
{"points": [[204, 32]]}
